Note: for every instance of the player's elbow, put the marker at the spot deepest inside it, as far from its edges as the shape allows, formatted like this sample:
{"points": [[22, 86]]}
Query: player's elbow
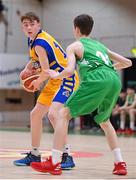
{"points": [[128, 63], [70, 72]]}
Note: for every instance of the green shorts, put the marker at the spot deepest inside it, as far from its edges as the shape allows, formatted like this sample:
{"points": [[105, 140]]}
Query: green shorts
{"points": [[99, 91]]}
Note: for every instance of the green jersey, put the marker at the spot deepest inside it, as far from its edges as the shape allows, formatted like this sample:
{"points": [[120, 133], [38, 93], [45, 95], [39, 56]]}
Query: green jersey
{"points": [[99, 86], [95, 54], [130, 99]]}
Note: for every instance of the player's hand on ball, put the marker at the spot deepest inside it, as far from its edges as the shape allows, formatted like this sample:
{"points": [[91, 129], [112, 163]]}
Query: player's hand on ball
{"points": [[53, 74], [36, 85]]}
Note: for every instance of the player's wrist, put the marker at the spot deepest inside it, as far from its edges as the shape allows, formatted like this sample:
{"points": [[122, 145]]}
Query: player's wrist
{"points": [[39, 80]]}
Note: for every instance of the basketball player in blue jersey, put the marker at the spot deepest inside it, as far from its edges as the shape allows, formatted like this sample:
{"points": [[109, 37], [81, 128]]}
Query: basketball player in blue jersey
{"points": [[46, 53]]}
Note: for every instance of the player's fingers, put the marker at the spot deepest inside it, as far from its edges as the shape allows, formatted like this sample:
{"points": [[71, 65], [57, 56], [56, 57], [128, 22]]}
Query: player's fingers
{"points": [[47, 72], [31, 84], [52, 73]]}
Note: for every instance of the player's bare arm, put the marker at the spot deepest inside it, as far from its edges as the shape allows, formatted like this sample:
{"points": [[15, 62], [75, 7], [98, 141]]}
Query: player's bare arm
{"points": [[44, 62], [133, 105], [73, 51], [120, 61], [29, 65], [124, 107], [44, 66]]}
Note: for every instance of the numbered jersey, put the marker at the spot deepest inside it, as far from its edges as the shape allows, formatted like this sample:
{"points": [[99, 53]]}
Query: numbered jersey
{"points": [[56, 55], [95, 55]]}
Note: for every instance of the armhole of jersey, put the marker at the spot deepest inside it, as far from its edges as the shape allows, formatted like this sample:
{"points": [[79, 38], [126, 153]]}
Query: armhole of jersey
{"points": [[127, 98], [35, 52], [105, 48], [39, 43], [83, 51]]}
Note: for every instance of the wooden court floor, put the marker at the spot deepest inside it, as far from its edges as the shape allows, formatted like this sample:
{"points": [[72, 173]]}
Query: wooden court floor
{"points": [[91, 154]]}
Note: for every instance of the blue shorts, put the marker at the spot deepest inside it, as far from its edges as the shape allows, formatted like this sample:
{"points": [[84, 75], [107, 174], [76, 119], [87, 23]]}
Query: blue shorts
{"points": [[66, 89]]}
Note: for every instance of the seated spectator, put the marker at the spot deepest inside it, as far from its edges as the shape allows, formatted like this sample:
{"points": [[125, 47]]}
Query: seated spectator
{"points": [[129, 108]]}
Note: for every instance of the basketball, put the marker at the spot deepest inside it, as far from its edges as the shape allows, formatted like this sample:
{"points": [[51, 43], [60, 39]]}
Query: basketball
{"points": [[26, 77]]}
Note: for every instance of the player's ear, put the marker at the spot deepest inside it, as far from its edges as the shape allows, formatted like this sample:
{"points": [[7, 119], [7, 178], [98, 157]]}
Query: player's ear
{"points": [[39, 24], [77, 30]]}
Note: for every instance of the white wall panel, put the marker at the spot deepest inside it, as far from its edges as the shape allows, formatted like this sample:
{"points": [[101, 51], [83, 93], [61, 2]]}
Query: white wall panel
{"points": [[113, 19]]}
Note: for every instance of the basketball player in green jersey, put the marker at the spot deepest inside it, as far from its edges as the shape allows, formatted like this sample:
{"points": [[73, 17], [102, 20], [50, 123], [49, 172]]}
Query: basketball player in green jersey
{"points": [[99, 89]]}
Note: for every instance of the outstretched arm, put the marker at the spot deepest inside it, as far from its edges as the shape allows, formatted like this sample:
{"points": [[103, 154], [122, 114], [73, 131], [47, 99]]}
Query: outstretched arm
{"points": [[120, 61]]}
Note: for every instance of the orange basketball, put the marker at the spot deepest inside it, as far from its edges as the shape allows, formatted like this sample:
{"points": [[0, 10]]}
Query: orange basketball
{"points": [[26, 77]]}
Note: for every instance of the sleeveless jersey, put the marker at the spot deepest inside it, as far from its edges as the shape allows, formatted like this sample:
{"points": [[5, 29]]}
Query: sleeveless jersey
{"points": [[57, 61], [130, 99], [56, 55]]}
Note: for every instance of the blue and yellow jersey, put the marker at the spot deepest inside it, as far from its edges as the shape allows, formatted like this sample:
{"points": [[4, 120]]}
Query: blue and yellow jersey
{"points": [[56, 55], [55, 90]]}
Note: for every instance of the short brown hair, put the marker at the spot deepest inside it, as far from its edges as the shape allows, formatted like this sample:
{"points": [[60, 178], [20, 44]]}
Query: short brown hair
{"points": [[85, 23], [30, 16]]}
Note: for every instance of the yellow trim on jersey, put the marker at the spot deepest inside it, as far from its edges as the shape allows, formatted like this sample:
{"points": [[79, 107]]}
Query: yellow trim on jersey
{"points": [[70, 79], [58, 54], [69, 83], [57, 69], [69, 89], [51, 64]]}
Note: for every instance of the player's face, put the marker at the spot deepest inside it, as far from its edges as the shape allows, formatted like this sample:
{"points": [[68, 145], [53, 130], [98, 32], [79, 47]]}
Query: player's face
{"points": [[30, 28], [130, 91], [123, 95]]}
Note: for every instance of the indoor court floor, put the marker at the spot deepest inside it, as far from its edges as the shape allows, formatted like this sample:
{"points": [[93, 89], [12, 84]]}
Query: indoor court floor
{"points": [[91, 154]]}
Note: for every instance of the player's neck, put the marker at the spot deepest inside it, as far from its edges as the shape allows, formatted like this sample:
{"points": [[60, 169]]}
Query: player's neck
{"points": [[83, 36], [35, 35]]}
